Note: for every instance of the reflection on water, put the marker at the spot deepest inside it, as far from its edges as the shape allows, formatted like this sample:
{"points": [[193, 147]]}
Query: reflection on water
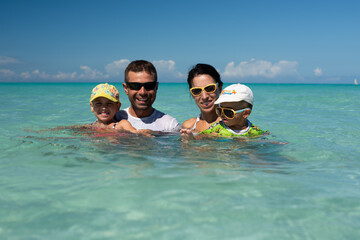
{"points": [[78, 146]]}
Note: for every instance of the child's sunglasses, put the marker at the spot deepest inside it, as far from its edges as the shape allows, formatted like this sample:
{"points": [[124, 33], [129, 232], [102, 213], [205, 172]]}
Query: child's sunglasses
{"points": [[196, 91], [137, 86], [228, 112]]}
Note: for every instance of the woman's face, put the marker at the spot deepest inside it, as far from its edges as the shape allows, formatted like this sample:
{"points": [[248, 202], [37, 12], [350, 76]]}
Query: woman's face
{"points": [[205, 101]]}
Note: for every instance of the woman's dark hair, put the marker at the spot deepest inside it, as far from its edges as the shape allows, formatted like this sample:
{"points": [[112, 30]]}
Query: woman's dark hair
{"points": [[202, 68]]}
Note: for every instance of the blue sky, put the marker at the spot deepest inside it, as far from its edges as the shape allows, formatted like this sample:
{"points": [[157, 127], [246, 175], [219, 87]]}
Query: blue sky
{"points": [[247, 41]]}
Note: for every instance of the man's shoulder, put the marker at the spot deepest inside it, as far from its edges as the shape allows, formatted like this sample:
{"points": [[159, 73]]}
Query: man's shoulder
{"points": [[122, 114], [169, 123], [159, 114]]}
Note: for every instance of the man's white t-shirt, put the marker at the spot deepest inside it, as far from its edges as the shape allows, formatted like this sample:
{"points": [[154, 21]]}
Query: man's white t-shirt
{"points": [[157, 121]]}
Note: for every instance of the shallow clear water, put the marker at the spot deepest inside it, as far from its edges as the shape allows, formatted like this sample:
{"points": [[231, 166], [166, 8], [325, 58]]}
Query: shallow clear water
{"points": [[63, 185]]}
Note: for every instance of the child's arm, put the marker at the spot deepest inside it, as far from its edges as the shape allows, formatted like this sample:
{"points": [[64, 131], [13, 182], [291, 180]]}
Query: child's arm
{"points": [[188, 134], [126, 125], [60, 128], [146, 132]]}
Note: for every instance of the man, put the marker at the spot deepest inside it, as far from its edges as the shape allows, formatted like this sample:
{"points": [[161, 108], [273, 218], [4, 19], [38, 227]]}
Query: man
{"points": [[141, 86]]}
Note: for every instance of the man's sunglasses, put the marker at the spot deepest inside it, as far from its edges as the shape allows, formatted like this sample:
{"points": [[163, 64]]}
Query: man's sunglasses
{"points": [[196, 91], [228, 112], [137, 86]]}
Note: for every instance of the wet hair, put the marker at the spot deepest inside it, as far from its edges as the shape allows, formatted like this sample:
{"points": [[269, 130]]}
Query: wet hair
{"points": [[202, 68], [140, 66]]}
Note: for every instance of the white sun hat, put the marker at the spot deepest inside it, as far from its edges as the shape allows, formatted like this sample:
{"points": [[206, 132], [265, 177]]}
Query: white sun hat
{"points": [[236, 93]]}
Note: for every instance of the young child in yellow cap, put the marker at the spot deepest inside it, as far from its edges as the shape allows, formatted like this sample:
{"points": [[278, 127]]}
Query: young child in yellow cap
{"points": [[104, 103]]}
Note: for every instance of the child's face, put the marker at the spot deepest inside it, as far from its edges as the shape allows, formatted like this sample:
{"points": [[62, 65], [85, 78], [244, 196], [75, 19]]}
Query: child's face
{"points": [[239, 119], [104, 109]]}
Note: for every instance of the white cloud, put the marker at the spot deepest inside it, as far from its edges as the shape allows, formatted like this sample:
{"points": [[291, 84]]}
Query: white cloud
{"points": [[64, 76], [6, 60], [88, 74], [6, 72], [261, 68], [163, 65], [117, 68], [25, 75], [37, 74], [166, 68], [318, 72], [91, 74]]}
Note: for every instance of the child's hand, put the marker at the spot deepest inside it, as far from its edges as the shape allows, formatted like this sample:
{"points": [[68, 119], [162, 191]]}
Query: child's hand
{"points": [[145, 132], [186, 134]]}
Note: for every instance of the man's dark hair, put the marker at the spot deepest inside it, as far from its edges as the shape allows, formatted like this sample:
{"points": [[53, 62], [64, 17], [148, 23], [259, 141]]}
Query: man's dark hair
{"points": [[140, 66]]}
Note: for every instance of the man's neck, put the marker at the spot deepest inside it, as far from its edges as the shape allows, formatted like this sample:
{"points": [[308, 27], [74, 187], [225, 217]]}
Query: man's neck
{"points": [[140, 113]]}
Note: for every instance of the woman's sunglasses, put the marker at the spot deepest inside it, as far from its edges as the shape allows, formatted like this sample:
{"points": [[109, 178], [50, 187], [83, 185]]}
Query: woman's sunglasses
{"points": [[137, 86], [228, 112], [196, 91]]}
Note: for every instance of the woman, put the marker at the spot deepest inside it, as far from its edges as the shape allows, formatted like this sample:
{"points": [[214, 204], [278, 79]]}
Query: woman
{"points": [[205, 87]]}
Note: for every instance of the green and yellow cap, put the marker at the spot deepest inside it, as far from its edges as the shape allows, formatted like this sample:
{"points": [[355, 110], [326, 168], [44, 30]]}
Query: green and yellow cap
{"points": [[105, 90]]}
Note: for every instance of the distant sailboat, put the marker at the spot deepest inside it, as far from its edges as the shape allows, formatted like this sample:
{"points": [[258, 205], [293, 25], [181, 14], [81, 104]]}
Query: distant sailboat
{"points": [[356, 82]]}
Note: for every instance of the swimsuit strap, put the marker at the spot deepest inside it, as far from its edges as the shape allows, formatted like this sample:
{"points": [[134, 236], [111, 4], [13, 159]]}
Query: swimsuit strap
{"points": [[115, 125], [197, 120]]}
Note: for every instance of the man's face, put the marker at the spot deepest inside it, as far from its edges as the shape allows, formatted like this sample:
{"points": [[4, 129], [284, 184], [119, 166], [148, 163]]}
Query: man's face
{"points": [[141, 97]]}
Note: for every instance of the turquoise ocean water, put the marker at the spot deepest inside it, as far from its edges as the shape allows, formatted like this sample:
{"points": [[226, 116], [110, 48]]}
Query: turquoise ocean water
{"points": [[61, 185]]}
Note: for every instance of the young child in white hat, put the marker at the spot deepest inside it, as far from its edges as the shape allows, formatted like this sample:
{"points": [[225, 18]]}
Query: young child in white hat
{"points": [[235, 106]]}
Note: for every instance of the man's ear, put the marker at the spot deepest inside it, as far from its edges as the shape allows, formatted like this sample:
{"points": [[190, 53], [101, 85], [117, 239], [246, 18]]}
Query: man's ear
{"points": [[118, 106], [157, 85], [125, 88], [246, 113], [91, 107]]}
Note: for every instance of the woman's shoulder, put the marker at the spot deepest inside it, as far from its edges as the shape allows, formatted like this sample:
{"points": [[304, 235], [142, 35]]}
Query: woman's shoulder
{"points": [[189, 123]]}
